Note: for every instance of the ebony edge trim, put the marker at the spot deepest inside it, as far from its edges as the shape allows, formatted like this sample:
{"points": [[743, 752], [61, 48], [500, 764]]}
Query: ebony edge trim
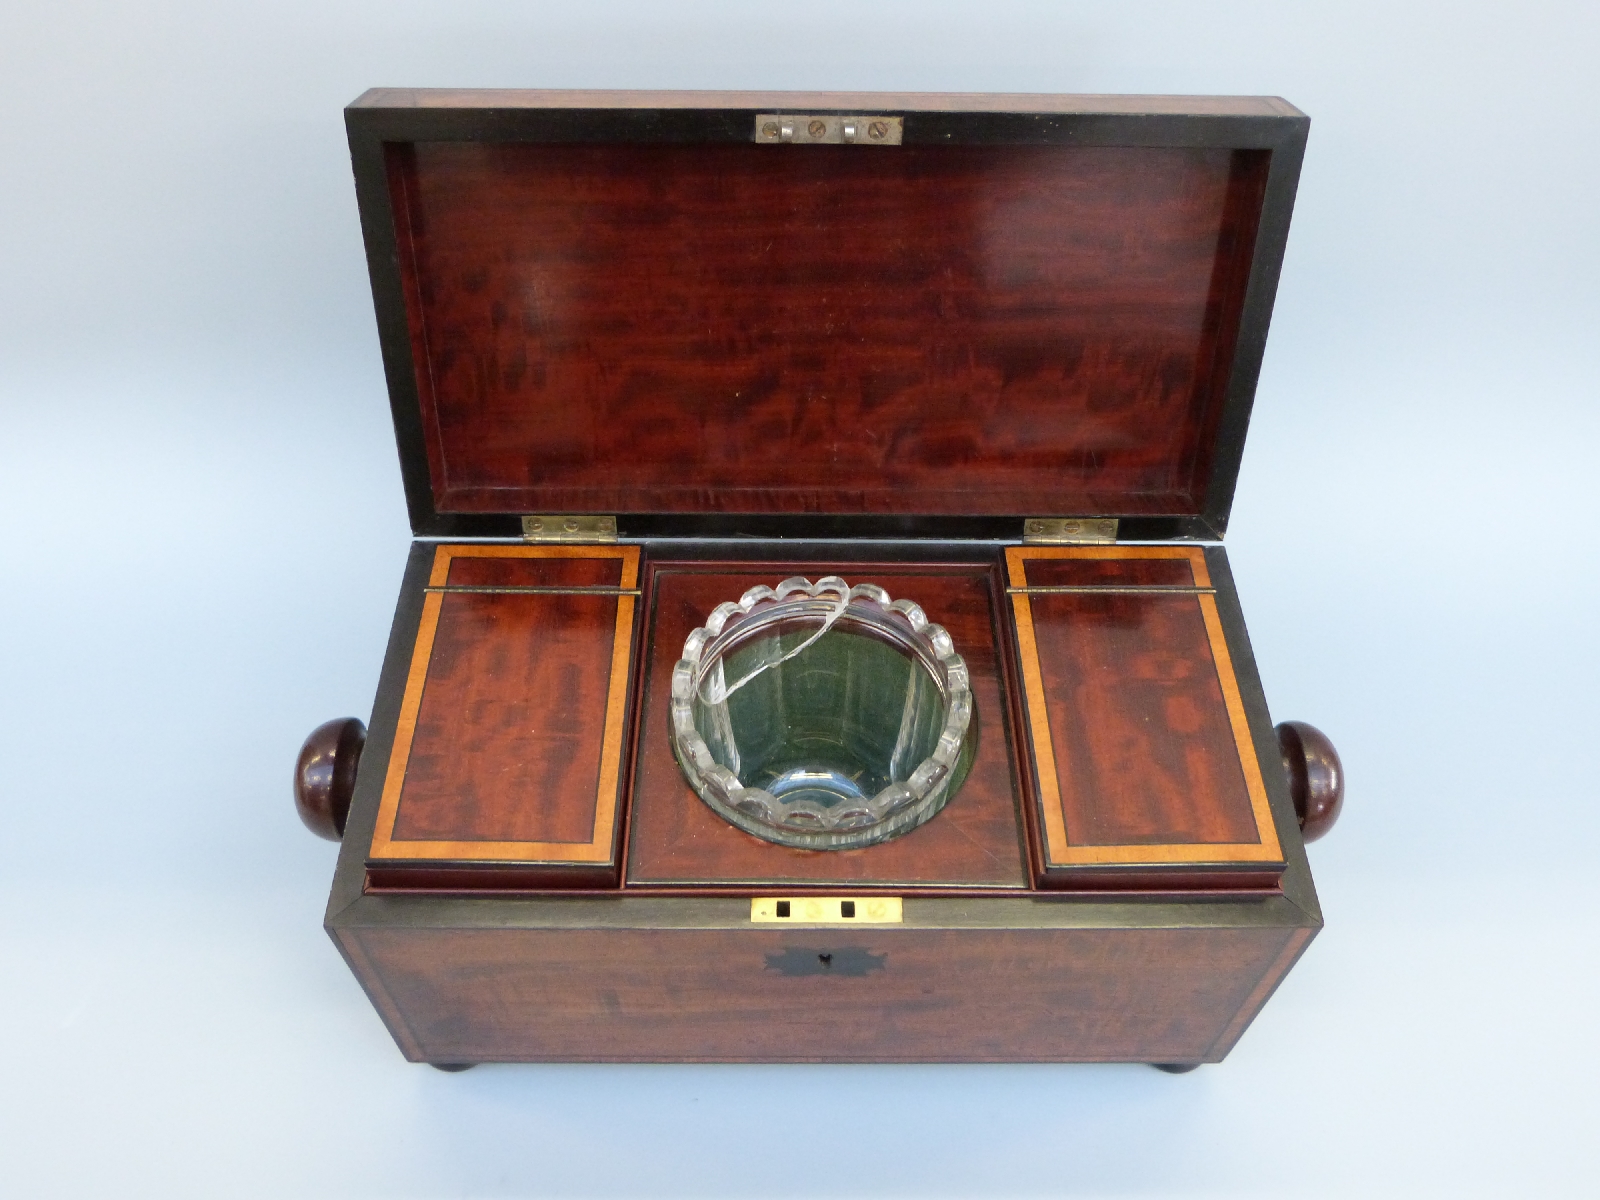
{"points": [[737, 125], [768, 526], [349, 877], [369, 162], [1296, 879], [370, 126], [1250, 343]]}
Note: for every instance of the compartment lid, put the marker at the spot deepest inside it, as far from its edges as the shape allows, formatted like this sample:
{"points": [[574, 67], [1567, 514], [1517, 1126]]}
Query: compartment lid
{"points": [[511, 725], [714, 313]]}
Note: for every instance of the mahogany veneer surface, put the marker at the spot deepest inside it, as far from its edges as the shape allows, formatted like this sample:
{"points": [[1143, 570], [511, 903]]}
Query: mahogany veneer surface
{"points": [[929, 329], [908, 994], [975, 841], [516, 704], [1139, 735], [493, 764], [606, 303], [479, 570]]}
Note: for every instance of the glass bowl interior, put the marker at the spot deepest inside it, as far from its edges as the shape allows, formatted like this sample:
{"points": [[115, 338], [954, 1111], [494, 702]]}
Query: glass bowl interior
{"points": [[824, 718]]}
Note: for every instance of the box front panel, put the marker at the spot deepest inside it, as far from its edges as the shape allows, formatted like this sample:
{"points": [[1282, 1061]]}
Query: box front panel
{"points": [[909, 995]]}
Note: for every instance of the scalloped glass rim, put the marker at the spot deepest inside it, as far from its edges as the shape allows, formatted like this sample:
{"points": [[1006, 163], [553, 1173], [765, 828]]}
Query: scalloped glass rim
{"points": [[895, 809]]}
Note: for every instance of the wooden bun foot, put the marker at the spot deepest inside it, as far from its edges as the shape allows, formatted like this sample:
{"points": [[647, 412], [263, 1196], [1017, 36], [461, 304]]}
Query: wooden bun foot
{"points": [[325, 775], [453, 1068], [1175, 1068], [1316, 777]]}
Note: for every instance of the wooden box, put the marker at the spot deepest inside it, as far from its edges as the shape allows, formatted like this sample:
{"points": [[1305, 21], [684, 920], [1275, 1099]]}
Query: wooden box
{"points": [[646, 351]]}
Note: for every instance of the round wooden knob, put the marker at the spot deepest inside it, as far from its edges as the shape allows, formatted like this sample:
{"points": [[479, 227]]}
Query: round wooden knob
{"points": [[1316, 777], [325, 775]]}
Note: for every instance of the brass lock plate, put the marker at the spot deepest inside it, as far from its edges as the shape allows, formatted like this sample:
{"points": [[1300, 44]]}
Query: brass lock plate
{"points": [[791, 129], [826, 910]]}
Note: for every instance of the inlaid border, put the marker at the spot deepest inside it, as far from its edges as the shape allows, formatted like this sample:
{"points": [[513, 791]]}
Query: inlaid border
{"points": [[1058, 851], [600, 846]]}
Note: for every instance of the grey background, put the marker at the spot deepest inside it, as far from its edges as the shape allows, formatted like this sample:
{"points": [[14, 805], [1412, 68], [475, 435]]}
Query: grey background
{"points": [[203, 533]]}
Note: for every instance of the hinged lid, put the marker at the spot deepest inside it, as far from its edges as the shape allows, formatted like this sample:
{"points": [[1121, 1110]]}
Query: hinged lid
{"points": [[646, 304]]}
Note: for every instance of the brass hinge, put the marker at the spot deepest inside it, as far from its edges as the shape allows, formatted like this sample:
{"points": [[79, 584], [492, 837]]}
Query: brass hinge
{"points": [[1070, 531], [792, 129], [569, 529]]}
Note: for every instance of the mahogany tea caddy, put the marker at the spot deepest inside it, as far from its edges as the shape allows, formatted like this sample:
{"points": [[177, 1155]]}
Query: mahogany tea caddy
{"points": [[647, 352]]}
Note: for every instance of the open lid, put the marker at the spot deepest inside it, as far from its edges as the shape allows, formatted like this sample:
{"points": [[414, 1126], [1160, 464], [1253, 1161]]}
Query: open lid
{"points": [[822, 315]]}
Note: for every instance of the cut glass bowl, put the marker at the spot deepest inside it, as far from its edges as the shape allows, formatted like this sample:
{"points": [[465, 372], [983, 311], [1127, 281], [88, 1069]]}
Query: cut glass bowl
{"points": [[822, 716]]}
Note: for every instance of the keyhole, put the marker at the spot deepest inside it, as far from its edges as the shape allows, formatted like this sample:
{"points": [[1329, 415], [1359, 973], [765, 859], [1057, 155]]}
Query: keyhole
{"points": [[825, 959]]}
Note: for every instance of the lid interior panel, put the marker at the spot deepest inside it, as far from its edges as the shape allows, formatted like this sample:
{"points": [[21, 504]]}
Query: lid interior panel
{"points": [[928, 329]]}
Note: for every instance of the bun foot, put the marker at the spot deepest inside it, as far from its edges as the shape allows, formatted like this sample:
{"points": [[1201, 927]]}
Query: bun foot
{"points": [[325, 775], [453, 1068], [1175, 1068], [1316, 777]]}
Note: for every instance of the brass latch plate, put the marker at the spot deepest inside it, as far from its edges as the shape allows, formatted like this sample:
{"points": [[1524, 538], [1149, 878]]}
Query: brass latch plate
{"points": [[826, 910], [798, 129], [1070, 531], [569, 528]]}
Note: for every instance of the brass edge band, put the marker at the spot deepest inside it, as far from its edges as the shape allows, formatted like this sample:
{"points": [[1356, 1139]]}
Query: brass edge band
{"points": [[597, 590], [1130, 589]]}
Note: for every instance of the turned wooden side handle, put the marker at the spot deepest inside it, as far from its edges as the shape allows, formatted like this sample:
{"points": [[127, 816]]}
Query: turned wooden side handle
{"points": [[325, 775], [1316, 777]]}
